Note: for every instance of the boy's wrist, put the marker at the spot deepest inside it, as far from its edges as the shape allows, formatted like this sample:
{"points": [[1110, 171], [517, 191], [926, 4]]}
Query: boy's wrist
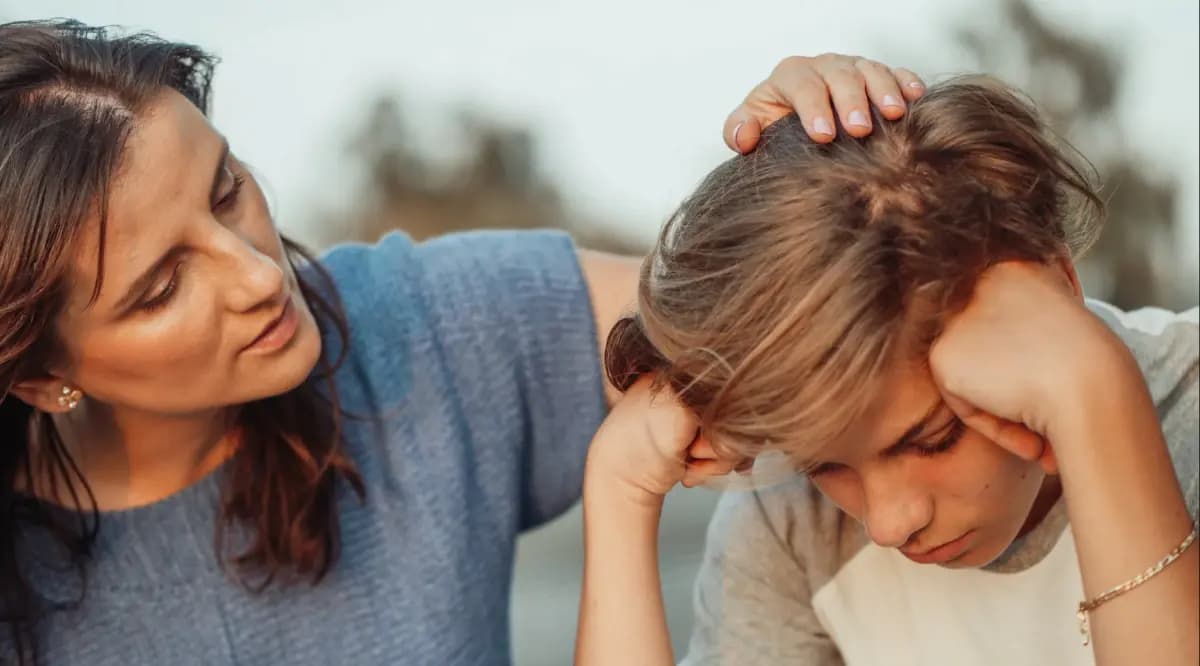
{"points": [[605, 485]]}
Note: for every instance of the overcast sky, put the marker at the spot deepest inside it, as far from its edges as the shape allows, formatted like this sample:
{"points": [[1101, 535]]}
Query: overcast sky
{"points": [[627, 96]]}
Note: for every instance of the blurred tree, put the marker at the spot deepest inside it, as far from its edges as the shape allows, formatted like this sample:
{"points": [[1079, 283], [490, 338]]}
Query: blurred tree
{"points": [[1077, 82], [498, 184]]}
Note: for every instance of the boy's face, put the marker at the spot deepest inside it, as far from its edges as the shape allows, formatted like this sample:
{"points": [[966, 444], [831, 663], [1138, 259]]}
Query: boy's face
{"points": [[920, 481]]}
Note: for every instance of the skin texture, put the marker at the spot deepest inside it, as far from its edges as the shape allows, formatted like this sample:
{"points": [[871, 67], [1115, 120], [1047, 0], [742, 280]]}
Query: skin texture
{"points": [[1040, 383], [916, 498]]}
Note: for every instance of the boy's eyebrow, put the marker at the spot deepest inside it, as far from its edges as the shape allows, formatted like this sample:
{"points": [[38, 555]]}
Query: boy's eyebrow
{"points": [[896, 447], [914, 430]]}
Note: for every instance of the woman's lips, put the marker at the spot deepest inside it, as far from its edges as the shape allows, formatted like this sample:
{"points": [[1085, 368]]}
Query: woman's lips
{"points": [[278, 333], [941, 554]]}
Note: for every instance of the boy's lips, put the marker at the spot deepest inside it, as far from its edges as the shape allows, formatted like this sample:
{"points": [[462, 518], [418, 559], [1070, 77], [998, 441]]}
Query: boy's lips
{"points": [[940, 554]]}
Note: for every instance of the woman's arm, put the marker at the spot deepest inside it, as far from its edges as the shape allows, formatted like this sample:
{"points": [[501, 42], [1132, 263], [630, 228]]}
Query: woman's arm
{"points": [[612, 284], [1028, 365]]}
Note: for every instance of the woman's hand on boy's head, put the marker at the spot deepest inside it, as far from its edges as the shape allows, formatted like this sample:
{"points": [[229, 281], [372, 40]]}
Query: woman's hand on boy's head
{"points": [[809, 85], [649, 443], [1024, 355]]}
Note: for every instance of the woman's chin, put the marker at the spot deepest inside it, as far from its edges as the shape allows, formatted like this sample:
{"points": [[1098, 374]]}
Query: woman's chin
{"points": [[289, 368]]}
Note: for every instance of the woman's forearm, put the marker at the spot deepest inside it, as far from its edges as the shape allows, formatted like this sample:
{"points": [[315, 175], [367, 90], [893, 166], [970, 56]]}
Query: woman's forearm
{"points": [[1126, 512], [621, 615]]}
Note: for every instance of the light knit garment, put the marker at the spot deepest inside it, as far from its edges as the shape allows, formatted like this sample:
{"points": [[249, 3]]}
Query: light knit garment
{"points": [[790, 579]]}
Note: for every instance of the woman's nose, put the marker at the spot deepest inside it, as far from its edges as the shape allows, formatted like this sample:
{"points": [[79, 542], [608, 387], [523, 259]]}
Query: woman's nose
{"points": [[254, 278]]}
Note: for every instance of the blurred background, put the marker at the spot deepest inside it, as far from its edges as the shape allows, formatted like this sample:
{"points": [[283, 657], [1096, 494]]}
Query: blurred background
{"points": [[362, 116]]}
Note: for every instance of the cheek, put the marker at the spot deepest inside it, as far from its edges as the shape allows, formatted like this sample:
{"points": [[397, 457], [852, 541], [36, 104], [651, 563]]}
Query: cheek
{"points": [[139, 362], [843, 489], [983, 478]]}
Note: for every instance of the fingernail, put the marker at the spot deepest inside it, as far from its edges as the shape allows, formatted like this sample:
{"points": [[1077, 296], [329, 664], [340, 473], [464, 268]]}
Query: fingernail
{"points": [[916, 85], [735, 136], [822, 126], [858, 119], [890, 100]]}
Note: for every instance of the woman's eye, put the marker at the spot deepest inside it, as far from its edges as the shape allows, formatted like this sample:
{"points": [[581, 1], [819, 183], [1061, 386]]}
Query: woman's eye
{"points": [[231, 198], [163, 296]]}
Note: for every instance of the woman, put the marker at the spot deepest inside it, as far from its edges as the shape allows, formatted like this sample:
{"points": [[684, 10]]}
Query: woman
{"points": [[365, 434], [901, 318]]}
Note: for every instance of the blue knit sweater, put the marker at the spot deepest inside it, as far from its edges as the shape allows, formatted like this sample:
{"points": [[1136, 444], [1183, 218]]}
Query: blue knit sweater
{"points": [[478, 352]]}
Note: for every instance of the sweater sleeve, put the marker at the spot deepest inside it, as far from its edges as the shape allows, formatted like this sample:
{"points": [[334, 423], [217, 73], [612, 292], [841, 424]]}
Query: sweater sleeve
{"points": [[511, 313]]}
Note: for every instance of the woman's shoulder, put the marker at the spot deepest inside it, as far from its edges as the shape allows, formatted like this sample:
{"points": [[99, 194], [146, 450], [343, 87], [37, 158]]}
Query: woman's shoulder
{"points": [[452, 279], [366, 274], [373, 288]]}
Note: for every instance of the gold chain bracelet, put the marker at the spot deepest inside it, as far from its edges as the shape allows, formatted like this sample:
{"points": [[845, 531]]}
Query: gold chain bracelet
{"points": [[1086, 607]]}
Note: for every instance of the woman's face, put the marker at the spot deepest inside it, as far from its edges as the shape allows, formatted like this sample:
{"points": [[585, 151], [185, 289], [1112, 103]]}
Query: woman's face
{"points": [[921, 482], [199, 308]]}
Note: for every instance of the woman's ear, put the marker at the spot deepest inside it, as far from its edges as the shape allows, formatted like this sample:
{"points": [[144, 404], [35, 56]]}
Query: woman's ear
{"points": [[49, 394]]}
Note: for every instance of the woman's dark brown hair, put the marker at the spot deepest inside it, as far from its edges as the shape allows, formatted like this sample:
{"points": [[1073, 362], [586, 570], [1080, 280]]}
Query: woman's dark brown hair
{"points": [[794, 276], [70, 96]]}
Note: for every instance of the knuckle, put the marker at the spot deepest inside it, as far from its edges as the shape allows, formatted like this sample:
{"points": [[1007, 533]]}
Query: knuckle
{"points": [[793, 62], [844, 71], [867, 65], [809, 80]]}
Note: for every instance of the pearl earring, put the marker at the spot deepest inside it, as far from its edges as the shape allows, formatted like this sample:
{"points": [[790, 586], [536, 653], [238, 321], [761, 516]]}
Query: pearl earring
{"points": [[69, 398]]}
